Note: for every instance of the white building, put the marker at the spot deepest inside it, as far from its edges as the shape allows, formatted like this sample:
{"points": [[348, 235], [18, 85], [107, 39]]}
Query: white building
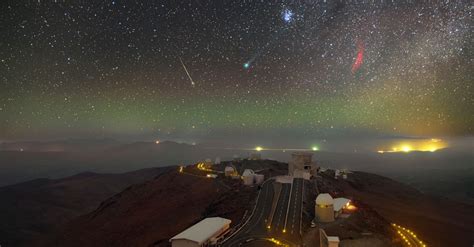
{"points": [[340, 204], [327, 241], [327, 208], [205, 232], [324, 208], [249, 177], [229, 171]]}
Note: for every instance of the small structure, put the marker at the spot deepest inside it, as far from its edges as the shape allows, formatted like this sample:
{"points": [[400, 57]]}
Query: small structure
{"points": [[255, 156], [250, 178], [345, 173], [302, 161], [324, 208], [340, 204], [327, 241], [204, 233], [230, 171], [217, 161]]}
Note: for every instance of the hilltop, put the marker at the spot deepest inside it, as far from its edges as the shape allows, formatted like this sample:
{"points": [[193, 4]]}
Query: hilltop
{"points": [[163, 204]]}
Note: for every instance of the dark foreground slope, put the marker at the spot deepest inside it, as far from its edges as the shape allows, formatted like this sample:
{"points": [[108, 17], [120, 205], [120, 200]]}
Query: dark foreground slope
{"points": [[437, 221], [34, 208], [150, 213]]}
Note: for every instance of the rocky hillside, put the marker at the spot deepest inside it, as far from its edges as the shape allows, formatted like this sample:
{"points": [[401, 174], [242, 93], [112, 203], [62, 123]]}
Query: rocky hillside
{"points": [[151, 212], [437, 221], [34, 208]]}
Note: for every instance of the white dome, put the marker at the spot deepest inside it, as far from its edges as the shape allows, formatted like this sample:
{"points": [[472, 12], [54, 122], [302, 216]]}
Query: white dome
{"points": [[248, 172], [324, 199], [229, 169]]}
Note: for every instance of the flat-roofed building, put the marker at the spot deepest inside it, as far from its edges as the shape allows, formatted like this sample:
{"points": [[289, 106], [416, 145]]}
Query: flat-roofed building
{"points": [[302, 162], [203, 233], [327, 241]]}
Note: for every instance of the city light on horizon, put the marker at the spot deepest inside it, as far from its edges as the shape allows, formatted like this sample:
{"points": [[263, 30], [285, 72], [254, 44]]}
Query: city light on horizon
{"points": [[426, 145]]}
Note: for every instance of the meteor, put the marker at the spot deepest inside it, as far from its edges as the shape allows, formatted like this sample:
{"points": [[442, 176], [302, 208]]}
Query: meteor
{"points": [[187, 73]]}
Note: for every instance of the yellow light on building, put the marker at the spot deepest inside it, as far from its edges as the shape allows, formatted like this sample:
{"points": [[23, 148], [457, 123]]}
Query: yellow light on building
{"points": [[315, 148], [258, 148]]}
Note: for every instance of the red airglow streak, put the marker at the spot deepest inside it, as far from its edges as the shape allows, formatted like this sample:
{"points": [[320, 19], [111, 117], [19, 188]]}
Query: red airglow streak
{"points": [[360, 57]]}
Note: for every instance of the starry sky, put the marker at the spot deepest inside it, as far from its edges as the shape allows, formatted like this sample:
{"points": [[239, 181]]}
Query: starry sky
{"points": [[200, 70]]}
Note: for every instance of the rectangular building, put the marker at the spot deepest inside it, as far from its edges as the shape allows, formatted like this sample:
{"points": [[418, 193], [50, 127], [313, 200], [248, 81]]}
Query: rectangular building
{"points": [[204, 233]]}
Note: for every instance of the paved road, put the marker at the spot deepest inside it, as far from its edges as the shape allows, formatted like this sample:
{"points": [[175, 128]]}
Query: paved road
{"points": [[293, 223], [256, 226], [288, 210], [279, 216]]}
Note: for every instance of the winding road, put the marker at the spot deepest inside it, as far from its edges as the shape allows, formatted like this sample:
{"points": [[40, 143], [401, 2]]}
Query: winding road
{"points": [[286, 219]]}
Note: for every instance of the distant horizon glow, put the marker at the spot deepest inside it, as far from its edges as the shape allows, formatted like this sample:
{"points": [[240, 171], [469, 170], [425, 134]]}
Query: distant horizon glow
{"points": [[427, 145]]}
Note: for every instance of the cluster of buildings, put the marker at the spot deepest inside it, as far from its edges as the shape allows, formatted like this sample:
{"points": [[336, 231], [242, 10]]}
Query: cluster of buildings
{"points": [[327, 209], [249, 177], [210, 230]]}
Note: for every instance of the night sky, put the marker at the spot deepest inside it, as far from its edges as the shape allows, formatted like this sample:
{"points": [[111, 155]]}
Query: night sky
{"points": [[200, 70]]}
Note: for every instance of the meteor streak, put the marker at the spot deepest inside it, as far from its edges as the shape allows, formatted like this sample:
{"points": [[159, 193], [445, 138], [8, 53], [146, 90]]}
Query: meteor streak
{"points": [[187, 73]]}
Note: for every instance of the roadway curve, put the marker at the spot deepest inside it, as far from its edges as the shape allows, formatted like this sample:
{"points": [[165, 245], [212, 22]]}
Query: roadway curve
{"points": [[287, 211]]}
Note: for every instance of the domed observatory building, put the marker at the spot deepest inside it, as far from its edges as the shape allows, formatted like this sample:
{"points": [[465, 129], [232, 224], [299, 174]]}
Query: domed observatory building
{"points": [[248, 177], [324, 208]]}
